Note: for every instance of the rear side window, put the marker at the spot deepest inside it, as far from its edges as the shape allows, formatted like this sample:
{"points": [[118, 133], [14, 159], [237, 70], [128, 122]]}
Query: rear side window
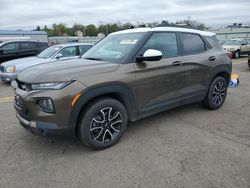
{"points": [[213, 41], [27, 45], [84, 48], [164, 42], [42, 45], [192, 43]]}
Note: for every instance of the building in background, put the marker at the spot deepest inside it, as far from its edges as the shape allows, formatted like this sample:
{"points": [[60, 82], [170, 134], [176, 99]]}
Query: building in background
{"points": [[232, 32], [9, 35]]}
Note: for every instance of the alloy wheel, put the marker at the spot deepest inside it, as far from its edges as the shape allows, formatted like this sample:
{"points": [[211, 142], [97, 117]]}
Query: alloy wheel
{"points": [[106, 125], [219, 93]]}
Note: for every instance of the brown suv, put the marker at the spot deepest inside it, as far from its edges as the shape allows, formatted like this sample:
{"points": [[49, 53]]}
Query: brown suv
{"points": [[127, 76]]}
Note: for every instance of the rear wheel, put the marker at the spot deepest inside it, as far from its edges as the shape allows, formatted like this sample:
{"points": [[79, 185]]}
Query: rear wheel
{"points": [[103, 123], [217, 94]]}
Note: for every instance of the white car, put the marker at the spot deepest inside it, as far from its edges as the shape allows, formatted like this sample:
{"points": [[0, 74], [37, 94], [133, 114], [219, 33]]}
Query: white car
{"points": [[238, 46]]}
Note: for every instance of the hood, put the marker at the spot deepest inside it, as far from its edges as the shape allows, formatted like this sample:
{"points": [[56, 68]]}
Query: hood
{"points": [[24, 63], [228, 47], [65, 70]]}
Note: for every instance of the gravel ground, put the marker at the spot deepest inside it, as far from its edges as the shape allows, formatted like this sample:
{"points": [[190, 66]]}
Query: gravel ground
{"points": [[184, 147]]}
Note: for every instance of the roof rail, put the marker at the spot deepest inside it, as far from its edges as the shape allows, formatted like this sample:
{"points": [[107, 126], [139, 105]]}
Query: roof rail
{"points": [[167, 24]]}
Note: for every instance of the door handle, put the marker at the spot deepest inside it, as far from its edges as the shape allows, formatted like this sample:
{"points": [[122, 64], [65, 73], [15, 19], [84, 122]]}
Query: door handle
{"points": [[212, 58], [177, 63]]}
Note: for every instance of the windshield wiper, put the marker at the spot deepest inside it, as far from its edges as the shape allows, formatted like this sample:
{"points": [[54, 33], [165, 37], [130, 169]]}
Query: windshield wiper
{"points": [[93, 58]]}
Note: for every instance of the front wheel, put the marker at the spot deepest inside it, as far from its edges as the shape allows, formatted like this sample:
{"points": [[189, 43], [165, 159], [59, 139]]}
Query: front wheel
{"points": [[237, 54], [103, 123], [217, 93]]}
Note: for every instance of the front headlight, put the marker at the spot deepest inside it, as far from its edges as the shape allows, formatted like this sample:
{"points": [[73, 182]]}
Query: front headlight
{"points": [[55, 85], [10, 69]]}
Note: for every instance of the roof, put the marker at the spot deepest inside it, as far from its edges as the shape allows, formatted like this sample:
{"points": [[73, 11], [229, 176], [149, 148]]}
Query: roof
{"points": [[10, 41], [14, 32], [174, 29]]}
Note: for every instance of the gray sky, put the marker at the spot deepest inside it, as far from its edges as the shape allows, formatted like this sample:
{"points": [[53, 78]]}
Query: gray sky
{"points": [[27, 14]]}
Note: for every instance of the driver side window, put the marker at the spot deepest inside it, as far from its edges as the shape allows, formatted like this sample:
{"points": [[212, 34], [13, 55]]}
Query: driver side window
{"points": [[9, 48], [68, 51], [164, 42]]}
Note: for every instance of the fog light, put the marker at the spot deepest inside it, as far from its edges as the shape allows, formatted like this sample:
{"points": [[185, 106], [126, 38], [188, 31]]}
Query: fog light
{"points": [[46, 105]]}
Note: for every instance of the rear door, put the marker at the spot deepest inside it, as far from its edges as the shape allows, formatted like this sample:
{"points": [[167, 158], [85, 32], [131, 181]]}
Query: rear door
{"points": [[28, 49], [197, 59], [9, 51], [160, 82]]}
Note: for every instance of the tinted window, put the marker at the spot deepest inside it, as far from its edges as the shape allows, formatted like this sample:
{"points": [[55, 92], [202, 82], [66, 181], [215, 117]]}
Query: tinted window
{"points": [[192, 43], [10, 47], [213, 41], [68, 51], [164, 42], [84, 48], [42, 45], [27, 45]]}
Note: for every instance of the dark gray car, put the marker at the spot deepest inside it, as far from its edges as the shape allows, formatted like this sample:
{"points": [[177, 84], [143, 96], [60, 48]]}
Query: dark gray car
{"points": [[127, 76], [18, 49]]}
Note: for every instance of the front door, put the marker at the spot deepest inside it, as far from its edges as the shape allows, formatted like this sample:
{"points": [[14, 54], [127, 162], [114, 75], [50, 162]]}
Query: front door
{"points": [[160, 82]]}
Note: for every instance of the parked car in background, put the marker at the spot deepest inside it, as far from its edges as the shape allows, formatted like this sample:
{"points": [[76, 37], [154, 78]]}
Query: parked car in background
{"points": [[238, 46], [10, 69], [18, 49], [127, 76]]}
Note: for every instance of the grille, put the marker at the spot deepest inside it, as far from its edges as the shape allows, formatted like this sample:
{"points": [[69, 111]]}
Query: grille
{"points": [[19, 106], [23, 86]]}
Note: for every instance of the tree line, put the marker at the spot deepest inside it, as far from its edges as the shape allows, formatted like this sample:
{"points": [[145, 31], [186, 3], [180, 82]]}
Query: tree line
{"points": [[93, 30]]}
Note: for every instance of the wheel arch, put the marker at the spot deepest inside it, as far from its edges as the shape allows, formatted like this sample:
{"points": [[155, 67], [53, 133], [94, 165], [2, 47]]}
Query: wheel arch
{"points": [[223, 71], [117, 91]]}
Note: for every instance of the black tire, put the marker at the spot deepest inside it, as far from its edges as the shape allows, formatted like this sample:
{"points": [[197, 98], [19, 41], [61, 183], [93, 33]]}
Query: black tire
{"points": [[237, 54], [217, 93], [102, 123]]}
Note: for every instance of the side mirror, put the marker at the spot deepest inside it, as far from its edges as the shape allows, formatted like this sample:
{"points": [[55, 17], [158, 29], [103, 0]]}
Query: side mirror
{"points": [[58, 56], [150, 55]]}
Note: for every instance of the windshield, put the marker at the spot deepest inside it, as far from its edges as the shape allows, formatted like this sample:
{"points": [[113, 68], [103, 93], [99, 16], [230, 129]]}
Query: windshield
{"points": [[114, 47], [232, 42], [49, 52]]}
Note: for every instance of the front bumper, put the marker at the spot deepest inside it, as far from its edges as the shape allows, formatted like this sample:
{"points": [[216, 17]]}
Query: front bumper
{"points": [[4, 76], [46, 129], [42, 123]]}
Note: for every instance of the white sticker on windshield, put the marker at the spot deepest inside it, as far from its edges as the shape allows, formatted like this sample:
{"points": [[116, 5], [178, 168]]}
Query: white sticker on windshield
{"points": [[128, 41]]}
